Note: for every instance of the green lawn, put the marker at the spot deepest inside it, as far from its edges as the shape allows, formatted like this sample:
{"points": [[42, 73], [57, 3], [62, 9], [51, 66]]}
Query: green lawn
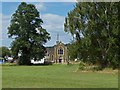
{"points": [[55, 76]]}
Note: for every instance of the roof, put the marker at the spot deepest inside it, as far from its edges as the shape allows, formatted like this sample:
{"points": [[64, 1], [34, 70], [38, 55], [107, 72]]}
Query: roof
{"points": [[50, 49]]}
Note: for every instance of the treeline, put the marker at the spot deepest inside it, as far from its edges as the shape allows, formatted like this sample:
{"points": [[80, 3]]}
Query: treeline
{"points": [[94, 27], [4, 51]]}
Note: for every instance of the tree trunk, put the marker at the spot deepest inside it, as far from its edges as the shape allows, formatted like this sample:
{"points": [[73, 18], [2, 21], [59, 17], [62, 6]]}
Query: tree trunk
{"points": [[25, 58]]}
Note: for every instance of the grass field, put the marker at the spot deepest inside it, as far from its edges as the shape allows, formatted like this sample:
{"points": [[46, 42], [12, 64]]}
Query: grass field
{"points": [[55, 76]]}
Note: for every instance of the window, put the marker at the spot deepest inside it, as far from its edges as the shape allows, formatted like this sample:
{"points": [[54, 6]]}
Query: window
{"points": [[60, 51]]}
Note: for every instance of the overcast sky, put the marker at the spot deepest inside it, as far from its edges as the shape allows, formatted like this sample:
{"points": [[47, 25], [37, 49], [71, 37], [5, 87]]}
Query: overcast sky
{"points": [[52, 14]]}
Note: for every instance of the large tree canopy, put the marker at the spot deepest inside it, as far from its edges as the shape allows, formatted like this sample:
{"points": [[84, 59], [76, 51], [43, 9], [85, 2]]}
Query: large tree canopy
{"points": [[29, 36], [95, 27]]}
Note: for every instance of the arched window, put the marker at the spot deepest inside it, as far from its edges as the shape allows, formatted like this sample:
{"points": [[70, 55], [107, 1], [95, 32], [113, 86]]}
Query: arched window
{"points": [[60, 51]]}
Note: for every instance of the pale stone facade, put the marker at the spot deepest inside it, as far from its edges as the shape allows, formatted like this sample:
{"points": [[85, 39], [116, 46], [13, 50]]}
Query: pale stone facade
{"points": [[57, 53]]}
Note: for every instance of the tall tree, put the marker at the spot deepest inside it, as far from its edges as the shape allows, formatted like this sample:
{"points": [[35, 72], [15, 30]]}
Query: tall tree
{"points": [[29, 36], [95, 25]]}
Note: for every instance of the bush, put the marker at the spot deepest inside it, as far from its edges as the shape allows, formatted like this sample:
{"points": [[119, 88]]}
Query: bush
{"points": [[82, 66], [97, 68]]}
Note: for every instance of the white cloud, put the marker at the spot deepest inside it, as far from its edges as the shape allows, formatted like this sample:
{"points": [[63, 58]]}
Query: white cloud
{"points": [[0, 21], [59, 0], [5, 17], [5, 22], [41, 0], [55, 24], [0, 29], [4, 36], [40, 6]]}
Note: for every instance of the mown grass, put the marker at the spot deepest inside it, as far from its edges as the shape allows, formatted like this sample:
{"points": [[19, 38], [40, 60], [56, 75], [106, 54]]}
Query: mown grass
{"points": [[55, 76], [0, 77]]}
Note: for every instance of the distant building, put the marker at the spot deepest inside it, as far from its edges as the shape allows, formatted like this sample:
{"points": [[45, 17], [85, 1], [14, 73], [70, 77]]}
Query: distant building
{"points": [[58, 53]]}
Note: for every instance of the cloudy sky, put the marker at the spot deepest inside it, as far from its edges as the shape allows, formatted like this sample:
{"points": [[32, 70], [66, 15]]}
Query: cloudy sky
{"points": [[52, 14]]}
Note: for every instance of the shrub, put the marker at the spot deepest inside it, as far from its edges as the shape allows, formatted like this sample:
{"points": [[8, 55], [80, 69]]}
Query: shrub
{"points": [[97, 68], [82, 66]]}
